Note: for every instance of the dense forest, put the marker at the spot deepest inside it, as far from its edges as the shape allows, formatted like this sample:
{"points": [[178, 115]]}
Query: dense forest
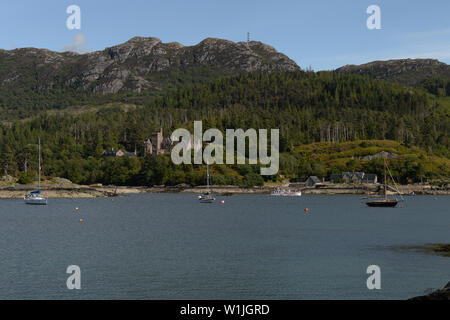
{"points": [[307, 107], [438, 86]]}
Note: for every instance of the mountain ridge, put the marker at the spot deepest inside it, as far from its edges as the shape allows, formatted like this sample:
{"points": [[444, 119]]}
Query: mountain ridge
{"points": [[136, 64], [34, 80], [406, 71]]}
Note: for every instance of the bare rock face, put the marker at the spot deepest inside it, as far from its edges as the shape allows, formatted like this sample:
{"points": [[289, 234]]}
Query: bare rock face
{"points": [[136, 47], [138, 64]]}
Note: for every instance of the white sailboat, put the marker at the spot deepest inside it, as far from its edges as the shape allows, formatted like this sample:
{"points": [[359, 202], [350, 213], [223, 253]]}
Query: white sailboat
{"points": [[35, 197], [208, 196], [285, 193]]}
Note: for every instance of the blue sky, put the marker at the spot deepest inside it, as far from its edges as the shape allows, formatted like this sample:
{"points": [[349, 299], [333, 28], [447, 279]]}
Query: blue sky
{"points": [[323, 34]]}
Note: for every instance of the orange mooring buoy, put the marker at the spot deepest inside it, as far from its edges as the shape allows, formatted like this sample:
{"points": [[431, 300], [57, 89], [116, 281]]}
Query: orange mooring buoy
{"points": [[81, 220], [306, 210]]}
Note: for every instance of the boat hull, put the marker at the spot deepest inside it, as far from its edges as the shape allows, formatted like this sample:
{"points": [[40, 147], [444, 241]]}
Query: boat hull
{"points": [[285, 193], [206, 199], [39, 201], [384, 204]]}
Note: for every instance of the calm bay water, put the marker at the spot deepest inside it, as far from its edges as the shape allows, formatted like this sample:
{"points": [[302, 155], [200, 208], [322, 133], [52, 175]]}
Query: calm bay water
{"points": [[169, 246]]}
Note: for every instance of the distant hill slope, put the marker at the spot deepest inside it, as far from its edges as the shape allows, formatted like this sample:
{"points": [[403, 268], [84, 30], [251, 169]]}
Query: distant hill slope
{"points": [[406, 71], [328, 109], [35, 78], [138, 64], [412, 164]]}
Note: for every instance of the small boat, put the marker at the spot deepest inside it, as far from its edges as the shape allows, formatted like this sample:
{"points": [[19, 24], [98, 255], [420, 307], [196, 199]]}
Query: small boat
{"points": [[285, 193], [385, 202], [382, 203], [207, 197], [35, 197]]}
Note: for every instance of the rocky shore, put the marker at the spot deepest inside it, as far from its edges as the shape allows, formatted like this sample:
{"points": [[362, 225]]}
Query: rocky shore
{"points": [[63, 188], [440, 294], [57, 192], [69, 190], [440, 249]]}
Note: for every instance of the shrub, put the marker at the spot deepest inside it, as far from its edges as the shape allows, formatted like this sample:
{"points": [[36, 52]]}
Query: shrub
{"points": [[25, 178]]}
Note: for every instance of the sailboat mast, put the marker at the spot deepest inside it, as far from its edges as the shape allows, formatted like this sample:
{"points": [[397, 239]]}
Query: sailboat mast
{"points": [[39, 167], [385, 179], [207, 176], [367, 188]]}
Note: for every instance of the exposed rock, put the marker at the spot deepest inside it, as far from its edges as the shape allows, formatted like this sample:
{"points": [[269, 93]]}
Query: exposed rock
{"points": [[440, 294], [139, 64], [380, 155], [60, 182], [8, 179], [441, 249]]}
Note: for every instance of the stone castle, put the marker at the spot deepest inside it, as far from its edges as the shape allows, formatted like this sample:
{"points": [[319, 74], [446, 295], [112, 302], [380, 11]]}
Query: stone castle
{"points": [[157, 144]]}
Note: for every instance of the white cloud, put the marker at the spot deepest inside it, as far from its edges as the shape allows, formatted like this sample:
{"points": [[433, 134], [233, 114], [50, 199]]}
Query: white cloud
{"points": [[78, 45]]}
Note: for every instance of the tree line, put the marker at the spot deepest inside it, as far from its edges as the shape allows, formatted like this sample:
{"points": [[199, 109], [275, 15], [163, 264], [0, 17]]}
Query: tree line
{"points": [[307, 107]]}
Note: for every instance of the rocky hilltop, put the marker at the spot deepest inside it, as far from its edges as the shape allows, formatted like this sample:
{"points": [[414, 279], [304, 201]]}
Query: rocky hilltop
{"points": [[136, 65], [406, 71]]}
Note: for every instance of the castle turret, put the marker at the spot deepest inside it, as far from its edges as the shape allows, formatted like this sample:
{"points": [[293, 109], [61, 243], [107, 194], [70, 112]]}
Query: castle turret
{"points": [[148, 149], [157, 139]]}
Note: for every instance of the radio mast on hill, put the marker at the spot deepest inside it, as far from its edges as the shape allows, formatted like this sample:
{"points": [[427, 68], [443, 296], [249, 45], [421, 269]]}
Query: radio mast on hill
{"points": [[248, 36]]}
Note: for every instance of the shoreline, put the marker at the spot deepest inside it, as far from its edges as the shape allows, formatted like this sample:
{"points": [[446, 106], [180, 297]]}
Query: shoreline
{"points": [[79, 191], [439, 249]]}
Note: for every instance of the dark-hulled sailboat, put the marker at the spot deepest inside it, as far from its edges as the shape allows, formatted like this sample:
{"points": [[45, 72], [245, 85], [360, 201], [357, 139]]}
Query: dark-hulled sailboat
{"points": [[386, 202]]}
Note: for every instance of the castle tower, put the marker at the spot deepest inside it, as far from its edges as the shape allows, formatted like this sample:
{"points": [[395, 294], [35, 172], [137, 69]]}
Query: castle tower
{"points": [[148, 149], [157, 139]]}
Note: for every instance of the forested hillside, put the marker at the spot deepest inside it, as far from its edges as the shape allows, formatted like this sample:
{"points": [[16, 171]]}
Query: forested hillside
{"points": [[430, 74], [307, 107]]}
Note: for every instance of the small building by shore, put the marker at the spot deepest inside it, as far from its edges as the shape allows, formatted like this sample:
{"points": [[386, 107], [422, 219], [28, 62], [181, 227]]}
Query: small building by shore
{"points": [[353, 177], [312, 181]]}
